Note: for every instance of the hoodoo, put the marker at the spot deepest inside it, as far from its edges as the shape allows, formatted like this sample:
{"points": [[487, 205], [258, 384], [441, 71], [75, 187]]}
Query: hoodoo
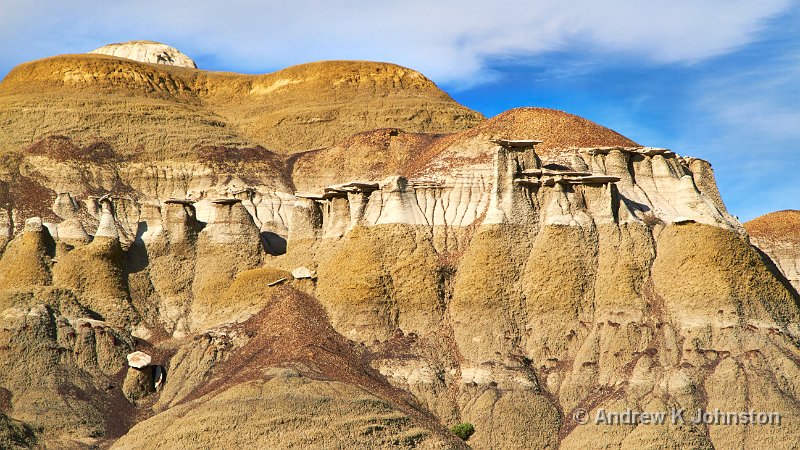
{"points": [[342, 247]]}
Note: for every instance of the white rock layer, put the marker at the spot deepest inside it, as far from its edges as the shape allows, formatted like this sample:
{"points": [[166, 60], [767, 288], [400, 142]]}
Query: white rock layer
{"points": [[148, 52]]}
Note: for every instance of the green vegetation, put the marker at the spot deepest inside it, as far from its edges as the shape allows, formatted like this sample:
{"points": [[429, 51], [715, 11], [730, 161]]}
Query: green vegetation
{"points": [[463, 430]]}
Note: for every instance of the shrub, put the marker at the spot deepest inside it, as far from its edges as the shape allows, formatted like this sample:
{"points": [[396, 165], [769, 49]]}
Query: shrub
{"points": [[463, 430]]}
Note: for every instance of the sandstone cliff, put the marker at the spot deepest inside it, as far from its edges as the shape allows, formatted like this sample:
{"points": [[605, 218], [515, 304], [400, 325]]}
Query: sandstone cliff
{"points": [[399, 275]]}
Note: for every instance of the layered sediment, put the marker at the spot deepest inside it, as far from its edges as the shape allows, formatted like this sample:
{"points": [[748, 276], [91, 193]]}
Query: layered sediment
{"points": [[475, 276]]}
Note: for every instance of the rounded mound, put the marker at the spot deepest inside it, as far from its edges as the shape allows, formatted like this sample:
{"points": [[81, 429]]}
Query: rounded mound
{"points": [[148, 52], [777, 226], [470, 149], [557, 129]]}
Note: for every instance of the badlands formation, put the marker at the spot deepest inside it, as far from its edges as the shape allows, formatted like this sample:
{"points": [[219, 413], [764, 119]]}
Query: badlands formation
{"points": [[338, 255]]}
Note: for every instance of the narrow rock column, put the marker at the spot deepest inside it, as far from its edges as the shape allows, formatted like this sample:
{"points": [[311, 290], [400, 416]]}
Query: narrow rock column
{"points": [[181, 226], [306, 220], [139, 380], [108, 224], [508, 203]]}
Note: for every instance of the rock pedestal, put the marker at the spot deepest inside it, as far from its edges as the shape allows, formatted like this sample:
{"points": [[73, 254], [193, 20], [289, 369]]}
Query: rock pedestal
{"points": [[138, 383]]}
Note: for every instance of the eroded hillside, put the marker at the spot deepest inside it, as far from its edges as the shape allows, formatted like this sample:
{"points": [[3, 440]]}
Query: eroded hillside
{"points": [[165, 111], [369, 280]]}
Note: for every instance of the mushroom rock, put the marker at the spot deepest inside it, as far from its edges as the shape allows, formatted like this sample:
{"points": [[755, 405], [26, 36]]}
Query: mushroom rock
{"points": [[147, 52], [139, 359], [33, 225], [138, 383]]}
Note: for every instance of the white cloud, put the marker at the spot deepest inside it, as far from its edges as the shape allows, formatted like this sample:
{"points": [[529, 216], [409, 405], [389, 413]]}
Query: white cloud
{"points": [[450, 41]]}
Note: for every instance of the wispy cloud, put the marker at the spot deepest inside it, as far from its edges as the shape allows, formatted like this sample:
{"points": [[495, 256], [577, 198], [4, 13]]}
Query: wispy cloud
{"points": [[714, 78], [450, 40]]}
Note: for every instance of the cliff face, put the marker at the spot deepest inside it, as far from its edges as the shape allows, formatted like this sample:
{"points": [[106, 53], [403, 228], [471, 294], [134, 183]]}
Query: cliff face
{"points": [[374, 292], [778, 235]]}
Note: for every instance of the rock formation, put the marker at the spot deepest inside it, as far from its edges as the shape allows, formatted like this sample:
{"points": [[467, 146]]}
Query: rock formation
{"points": [[392, 266], [147, 52], [778, 235], [174, 110]]}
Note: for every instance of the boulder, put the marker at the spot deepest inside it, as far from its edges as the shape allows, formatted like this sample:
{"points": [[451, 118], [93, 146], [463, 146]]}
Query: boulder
{"points": [[303, 272]]}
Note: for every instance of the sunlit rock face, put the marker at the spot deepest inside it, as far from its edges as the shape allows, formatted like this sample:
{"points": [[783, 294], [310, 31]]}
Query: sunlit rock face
{"points": [[375, 288], [147, 51], [778, 236]]}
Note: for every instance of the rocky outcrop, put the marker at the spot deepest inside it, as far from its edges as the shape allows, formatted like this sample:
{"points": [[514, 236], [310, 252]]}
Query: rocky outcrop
{"points": [[228, 245], [147, 52], [324, 413], [27, 258], [565, 296], [59, 367], [778, 236], [276, 358], [479, 276]]}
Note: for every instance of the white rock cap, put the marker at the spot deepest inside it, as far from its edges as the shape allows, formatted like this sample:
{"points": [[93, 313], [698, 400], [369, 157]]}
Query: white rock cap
{"points": [[303, 272], [34, 224], [148, 52], [139, 360]]}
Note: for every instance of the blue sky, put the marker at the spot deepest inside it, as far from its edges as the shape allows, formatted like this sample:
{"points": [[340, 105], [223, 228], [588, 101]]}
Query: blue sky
{"points": [[717, 79]]}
